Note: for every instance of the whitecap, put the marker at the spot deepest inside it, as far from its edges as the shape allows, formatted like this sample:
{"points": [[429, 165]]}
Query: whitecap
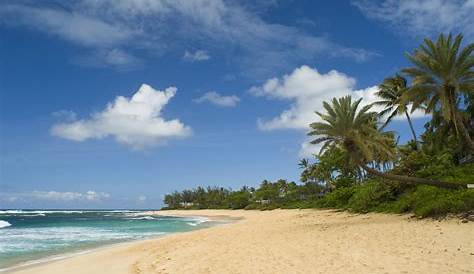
{"points": [[29, 212], [11, 211], [34, 215], [142, 218], [4, 224], [194, 221]]}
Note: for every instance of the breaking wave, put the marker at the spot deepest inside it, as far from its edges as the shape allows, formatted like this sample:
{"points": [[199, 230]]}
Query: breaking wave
{"points": [[143, 218], [4, 224]]}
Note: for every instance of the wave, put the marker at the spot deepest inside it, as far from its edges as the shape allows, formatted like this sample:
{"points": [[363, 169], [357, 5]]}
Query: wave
{"points": [[195, 221], [22, 212], [65, 255], [142, 218], [42, 239], [56, 237], [36, 215], [11, 211], [4, 224]]}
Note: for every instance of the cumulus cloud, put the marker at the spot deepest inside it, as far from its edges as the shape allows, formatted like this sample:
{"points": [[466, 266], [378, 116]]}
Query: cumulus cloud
{"points": [[135, 121], [422, 17], [218, 100], [163, 26], [306, 89], [198, 55], [90, 195]]}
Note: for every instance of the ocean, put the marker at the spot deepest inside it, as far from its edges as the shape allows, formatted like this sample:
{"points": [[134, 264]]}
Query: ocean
{"points": [[33, 236]]}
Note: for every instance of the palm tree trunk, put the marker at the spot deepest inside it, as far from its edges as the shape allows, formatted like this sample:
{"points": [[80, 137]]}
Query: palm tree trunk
{"points": [[462, 130], [412, 129], [413, 180]]}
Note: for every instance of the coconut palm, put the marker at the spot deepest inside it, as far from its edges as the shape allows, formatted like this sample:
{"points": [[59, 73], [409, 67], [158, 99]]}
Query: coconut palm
{"points": [[303, 164], [355, 130], [443, 74], [391, 93]]}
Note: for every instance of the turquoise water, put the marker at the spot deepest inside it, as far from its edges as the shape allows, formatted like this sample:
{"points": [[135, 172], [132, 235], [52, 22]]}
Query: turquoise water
{"points": [[33, 235]]}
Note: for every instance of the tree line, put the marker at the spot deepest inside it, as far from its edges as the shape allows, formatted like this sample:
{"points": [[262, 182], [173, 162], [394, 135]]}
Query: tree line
{"points": [[267, 193]]}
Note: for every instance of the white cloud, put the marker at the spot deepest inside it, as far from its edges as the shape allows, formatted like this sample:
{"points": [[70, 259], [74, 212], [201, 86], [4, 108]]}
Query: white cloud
{"points": [[198, 55], [118, 57], [162, 26], [90, 195], [423, 17], [306, 89], [80, 28], [73, 26], [142, 198], [218, 100], [307, 150], [135, 121], [115, 58]]}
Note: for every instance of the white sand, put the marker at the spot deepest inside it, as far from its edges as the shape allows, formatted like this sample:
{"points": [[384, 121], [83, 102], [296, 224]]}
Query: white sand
{"points": [[289, 241]]}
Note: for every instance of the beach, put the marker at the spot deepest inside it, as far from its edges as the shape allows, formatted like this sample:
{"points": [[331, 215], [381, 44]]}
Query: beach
{"points": [[288, 241]]}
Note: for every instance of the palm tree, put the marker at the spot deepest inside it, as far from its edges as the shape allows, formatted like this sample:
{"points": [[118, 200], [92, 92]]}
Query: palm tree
{"points": [[355, 130], [391, 93], [303, 164], [442, 74]]}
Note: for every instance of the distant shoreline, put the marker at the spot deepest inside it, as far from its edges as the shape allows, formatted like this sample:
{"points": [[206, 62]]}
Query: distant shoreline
{"points": [[287, 241]]}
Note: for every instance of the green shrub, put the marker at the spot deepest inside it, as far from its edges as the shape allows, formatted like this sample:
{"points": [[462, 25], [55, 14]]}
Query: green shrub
{"points": [[463, 174], [297, 204], [238, 200], [426, 201], [342, 181], [367, 197], [422, 200], [252, 206], [269, 207], [336, 199]]}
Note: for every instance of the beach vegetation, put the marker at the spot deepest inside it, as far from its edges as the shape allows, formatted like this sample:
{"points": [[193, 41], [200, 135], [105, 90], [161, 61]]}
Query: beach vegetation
{"points": [[361, 167]]}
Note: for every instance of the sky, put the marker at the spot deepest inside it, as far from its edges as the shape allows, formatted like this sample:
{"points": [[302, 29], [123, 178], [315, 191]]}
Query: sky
{"points": [[114, 103]]}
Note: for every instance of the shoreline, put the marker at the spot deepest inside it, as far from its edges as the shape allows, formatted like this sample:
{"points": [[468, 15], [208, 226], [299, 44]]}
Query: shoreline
{"points": [[80, 252], [67, 255], [287, 241]]}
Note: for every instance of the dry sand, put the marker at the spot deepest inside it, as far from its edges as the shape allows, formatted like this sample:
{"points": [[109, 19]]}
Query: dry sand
{"points": [[289, 241]]}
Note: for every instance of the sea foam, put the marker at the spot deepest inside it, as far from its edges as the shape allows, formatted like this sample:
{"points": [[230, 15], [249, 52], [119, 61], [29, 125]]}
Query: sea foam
{"points": [[37, 234], [142, 218], [4, 224]]}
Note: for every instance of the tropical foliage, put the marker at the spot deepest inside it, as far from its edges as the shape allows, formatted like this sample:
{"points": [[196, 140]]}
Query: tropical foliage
{"points": [[356, 133], [443, 78], [361, 167], [391, 93], [267, 195]]}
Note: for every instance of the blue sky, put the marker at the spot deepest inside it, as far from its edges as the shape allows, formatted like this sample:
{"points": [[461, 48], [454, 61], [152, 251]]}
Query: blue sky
{"points": [[111, 104]]}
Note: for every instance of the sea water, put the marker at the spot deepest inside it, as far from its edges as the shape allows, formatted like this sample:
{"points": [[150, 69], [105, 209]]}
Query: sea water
{"points": [[31, 236]]}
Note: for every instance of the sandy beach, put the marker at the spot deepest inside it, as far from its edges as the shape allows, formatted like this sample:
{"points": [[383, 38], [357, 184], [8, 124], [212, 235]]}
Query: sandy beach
{"points": [[289, 241]]}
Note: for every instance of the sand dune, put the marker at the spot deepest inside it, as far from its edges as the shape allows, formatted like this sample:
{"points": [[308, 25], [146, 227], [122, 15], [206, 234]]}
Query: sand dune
{"points": [[289, 241]]}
